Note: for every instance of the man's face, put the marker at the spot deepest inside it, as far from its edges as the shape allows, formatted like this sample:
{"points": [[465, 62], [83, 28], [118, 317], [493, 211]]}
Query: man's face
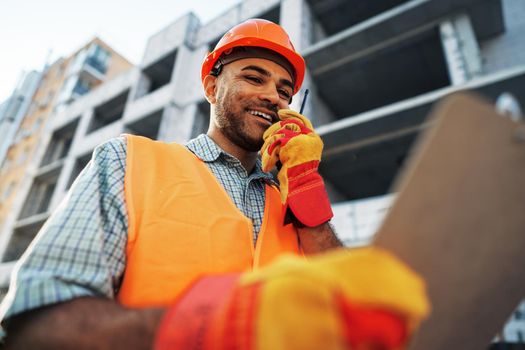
{"points": [[249, 93]]}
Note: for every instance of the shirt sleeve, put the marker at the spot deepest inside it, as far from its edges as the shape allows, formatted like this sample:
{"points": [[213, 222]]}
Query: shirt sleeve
{"points": [[80, 250]]}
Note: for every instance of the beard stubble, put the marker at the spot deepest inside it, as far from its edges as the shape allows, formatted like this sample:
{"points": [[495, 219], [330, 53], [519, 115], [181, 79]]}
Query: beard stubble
{"points": [[231, 119]]}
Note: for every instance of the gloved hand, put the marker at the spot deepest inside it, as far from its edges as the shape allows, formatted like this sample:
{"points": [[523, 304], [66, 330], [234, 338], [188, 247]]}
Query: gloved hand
{"points": [[294, 144], [345, 299], [359, 299]]}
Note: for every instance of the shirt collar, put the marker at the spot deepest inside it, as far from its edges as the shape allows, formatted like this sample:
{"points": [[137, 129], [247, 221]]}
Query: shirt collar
{"points": [[208, 151], [204, 148]]}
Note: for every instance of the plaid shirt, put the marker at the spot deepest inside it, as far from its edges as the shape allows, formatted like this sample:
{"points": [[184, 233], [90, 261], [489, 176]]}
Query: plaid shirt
{"points": [[80, 251]]}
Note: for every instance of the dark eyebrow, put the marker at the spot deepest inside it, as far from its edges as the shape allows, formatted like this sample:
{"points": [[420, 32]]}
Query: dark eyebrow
{"points": [[257, 69], [268, 74]]}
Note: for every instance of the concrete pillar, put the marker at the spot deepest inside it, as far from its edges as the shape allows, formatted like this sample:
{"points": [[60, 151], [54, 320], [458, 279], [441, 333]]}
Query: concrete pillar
{"points": [[185, 80], [461, 49], [177, 123], [179, 116], [81, 130], [294, 18], [140, 88], [297, 20], [300, 24]]}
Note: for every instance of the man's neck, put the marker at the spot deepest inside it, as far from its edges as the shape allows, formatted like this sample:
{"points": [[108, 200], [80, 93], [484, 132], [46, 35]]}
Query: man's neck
{"points": [[247, 158]]}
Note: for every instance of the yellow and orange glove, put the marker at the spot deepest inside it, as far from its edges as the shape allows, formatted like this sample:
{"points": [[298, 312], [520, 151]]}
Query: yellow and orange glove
{"points": [[360, 299], [294, 144]]}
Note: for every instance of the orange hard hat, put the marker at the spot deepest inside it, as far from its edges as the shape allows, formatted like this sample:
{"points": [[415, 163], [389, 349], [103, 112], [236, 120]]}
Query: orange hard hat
{"points": [[259, 33]]}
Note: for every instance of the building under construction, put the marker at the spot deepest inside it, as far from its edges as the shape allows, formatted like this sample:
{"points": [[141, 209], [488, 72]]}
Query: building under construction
{"points": [[374, 70]]}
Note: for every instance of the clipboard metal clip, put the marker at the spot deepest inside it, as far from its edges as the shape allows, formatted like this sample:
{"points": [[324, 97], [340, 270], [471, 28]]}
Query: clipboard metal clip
{"points": [[508, 105]]}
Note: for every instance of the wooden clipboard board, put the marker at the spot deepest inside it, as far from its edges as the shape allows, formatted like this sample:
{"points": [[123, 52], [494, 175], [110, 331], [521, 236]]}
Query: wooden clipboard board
{"points": [[459, 221]]}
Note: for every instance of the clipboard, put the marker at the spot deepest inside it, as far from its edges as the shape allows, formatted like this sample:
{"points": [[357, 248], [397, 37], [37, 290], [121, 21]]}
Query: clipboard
{"points": [[459, 221]]}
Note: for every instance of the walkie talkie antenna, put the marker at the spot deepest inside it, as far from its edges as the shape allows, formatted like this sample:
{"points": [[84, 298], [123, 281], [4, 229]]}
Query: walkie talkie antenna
{"points": [[304, 100]]}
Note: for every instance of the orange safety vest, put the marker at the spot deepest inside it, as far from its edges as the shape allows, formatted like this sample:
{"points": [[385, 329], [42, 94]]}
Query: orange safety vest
{"points": [[183, 225]]}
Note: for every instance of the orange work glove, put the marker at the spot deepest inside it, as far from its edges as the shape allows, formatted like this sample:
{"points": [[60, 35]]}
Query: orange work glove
{"points": [[294, 144], [359, 299]]}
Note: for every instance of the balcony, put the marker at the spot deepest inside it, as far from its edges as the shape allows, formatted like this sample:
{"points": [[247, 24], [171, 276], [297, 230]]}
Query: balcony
{"points": [[85, 73], [94, 62], [336, 15], [108, 112], [81, 88], [42, 191], [97, 64], [60, 143], [363, 153], [147, 126], [392, 56], [23, 234], [157, 74]]}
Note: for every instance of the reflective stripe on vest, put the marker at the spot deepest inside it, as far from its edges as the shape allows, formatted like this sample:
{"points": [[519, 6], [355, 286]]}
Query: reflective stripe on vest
{"points": [[183, 225]]}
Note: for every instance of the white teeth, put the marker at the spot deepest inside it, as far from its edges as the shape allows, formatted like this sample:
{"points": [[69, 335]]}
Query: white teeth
{"points": [[261, 114]]}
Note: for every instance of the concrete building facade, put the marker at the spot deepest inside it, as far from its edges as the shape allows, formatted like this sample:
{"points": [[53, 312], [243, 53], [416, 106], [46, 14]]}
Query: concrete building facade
{"points": [[374, 71]]}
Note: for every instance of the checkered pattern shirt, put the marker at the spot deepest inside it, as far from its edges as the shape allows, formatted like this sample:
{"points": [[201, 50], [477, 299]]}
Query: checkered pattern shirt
{"points": [[80, 251]]}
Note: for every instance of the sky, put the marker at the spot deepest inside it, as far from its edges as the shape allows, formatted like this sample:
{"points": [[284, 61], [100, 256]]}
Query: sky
{"points": [[33, 31]]}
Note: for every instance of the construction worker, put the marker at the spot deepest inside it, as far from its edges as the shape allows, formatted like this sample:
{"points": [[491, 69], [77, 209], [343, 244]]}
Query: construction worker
{"points": [[155, 243]]}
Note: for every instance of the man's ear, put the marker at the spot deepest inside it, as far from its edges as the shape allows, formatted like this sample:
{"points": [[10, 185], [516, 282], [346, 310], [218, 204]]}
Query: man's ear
{"points": [[210, 88]]}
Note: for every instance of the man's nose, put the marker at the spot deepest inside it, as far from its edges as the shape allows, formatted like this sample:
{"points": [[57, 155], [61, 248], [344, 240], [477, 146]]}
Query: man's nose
{"points": [[270, 94]]}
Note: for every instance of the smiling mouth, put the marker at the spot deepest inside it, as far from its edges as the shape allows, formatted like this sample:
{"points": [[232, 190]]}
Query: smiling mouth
{"points": [[268, 117]]}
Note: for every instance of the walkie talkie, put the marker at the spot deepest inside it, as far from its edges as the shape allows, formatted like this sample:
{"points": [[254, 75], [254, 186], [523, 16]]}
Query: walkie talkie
{"points": [[289, 217]]}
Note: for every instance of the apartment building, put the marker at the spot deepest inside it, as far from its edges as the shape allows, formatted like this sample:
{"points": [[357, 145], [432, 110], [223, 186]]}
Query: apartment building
{"points": [[56, 87], [374, 71]]}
